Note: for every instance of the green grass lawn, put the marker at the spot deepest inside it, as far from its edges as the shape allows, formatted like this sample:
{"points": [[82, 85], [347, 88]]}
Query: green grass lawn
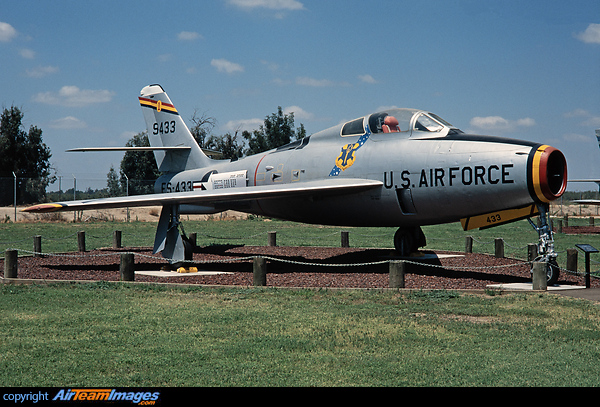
{"points": [[114, 334]]}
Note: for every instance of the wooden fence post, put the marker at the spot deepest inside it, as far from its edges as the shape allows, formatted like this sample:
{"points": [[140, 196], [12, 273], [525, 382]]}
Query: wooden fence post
{"points": [[272, 238], [468, 244], [10, 263], [499, 246], [345, 235], [259, 270], [37, 246], [81, 240], [117, 239], [559, 225], [397, 271], [539, 276], [572, 259], [532, 251], [127, 267]]}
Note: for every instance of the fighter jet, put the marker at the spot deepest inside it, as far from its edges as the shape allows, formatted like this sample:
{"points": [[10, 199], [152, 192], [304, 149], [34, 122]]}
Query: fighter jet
{"points": [[404, 168]]}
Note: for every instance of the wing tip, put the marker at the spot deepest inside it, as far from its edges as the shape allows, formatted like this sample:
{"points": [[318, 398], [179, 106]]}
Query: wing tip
{"points": [[42, 208]]}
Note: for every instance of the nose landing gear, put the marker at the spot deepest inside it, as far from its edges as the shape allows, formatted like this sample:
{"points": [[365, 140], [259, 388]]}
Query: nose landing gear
{"points": [[546, 253]]}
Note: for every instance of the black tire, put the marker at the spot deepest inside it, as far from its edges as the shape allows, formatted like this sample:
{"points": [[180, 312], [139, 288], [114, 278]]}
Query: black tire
{"points": [[404, 242], [552, 272], [188, 248]]}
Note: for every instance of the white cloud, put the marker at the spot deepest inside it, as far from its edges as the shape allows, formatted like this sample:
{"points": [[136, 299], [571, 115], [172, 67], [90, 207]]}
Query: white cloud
{"points": [[41, 71], [500, 124], [577, 138], [577, 113], [271, 66], [188, 36], [226, 66], [389, 107], [305, 81], [244, 124], [318, 83], [587, 118], [367, 79], [268, 4], [526, 122], [72, 96], [164, 57], [7, 32], [27, 53], [299, 113], [280, 82], [591, 35], [68, 123], [592, 121]]}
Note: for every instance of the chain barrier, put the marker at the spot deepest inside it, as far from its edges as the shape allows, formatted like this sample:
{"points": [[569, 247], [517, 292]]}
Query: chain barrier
{"points": [[296, 262], [593, 274], [387, 261]]}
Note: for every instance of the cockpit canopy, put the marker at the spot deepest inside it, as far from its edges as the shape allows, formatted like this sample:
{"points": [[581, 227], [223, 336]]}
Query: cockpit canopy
{"points": [[413, 122]]}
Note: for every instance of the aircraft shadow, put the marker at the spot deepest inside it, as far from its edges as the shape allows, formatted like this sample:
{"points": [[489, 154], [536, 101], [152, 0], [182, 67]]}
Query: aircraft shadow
{"points": [[428, 265], [356, 261]]}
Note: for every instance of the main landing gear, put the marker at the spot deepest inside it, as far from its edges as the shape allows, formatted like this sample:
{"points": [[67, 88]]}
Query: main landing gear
{"points": [[546, 253], [408, 240], [171, 239]]}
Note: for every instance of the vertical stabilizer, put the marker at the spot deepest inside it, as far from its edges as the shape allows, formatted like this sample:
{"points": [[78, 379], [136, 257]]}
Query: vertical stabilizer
{"points": [[167, 129]]}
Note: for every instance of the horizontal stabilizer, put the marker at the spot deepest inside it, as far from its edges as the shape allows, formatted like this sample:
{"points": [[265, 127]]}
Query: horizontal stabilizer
{"points": [[310, 188], [85, 149], [209, 153], [587, 202], [492, 219]]}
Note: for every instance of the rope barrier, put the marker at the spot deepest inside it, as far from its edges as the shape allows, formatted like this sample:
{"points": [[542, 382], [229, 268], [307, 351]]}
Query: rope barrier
{"points": [[275, 259], [594, 274], [302, 263]]}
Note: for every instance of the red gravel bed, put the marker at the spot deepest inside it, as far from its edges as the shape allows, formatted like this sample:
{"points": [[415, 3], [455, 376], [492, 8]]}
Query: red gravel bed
{"points": [[334, 267], [580, 230]]}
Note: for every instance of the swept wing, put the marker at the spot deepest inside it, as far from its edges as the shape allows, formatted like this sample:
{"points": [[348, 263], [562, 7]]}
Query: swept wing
{"points": [[319, 187]]}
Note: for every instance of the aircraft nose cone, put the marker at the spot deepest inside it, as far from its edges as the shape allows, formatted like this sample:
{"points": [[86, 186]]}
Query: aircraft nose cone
{"points": [[549, 173]]}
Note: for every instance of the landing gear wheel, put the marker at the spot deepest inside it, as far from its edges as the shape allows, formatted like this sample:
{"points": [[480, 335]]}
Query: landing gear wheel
{"points": [[404, 242], [552, 272], [188, 248], [408, 240]]}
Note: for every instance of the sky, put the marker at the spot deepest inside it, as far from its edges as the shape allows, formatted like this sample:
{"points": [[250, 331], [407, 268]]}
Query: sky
{"points": [[527, 70]]}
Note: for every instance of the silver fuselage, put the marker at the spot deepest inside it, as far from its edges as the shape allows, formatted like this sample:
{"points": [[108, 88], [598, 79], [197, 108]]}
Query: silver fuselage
{"points": [[430, 175]]}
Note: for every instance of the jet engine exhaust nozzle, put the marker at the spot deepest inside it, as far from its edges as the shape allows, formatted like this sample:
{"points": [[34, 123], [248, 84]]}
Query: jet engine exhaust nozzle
{"points": [[549, 174]]}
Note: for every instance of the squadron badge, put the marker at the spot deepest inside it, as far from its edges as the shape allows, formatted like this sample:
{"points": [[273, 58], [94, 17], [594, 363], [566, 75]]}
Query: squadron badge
{"points": [[347, 156]]}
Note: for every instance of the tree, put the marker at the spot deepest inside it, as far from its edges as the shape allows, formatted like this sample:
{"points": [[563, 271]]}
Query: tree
{"points": [[202, 128], [112, 183], [277, 130], [25, 155], [227, 145], [138, 168]]}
